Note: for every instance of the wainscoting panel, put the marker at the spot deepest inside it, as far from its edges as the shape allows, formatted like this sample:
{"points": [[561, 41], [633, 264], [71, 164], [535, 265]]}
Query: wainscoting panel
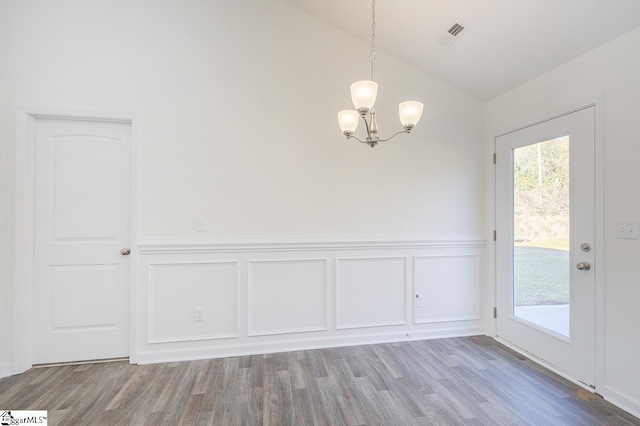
{"points": [[176, 290], [274, 294], [287, 296], [371, 292], [449, 287]]}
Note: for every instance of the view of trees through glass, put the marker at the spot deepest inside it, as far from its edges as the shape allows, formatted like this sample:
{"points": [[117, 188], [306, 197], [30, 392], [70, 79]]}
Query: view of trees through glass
{"points": [[541, 233]]}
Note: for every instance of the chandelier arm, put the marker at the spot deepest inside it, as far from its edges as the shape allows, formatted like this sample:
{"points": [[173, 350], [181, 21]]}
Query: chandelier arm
{"points": [[394, 135], [356, 138]]}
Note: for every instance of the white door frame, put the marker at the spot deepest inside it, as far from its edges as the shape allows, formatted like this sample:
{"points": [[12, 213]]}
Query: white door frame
{"points": [[598, 102], [22, 285]]}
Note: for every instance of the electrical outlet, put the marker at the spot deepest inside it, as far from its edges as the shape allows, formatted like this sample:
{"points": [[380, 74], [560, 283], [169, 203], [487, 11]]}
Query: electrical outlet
{"points": [[198, 314], [201, 224]]}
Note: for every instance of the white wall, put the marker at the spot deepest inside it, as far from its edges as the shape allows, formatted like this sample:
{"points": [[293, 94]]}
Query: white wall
{"points": [[236, 106], [612, 69], [4, 176]]}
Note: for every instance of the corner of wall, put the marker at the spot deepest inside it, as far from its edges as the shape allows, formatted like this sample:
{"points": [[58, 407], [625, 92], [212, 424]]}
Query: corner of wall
{"points": [[622, 400], [4, 192]]}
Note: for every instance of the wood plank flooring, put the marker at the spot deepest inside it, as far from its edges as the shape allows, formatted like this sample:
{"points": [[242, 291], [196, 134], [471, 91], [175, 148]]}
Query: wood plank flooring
{"points": [[459, 381]]}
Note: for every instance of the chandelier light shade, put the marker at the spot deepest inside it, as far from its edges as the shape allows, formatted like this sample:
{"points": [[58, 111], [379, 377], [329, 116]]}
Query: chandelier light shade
{"points": [[410, 113], [348, 120], [363, 96]]}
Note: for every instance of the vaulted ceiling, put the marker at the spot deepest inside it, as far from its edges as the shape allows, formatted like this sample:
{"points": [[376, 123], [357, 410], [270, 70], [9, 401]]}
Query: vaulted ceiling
{"points": [[504, 42]]}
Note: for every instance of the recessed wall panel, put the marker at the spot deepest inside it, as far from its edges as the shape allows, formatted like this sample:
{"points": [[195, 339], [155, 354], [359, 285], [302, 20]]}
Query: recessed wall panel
{"points": [[287, 296], [371, 292], [176, 291], [449, 287]]}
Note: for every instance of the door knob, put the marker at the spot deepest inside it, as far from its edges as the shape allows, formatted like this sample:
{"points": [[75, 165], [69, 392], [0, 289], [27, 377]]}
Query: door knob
{"points": [[125, 251], [583, 266]]}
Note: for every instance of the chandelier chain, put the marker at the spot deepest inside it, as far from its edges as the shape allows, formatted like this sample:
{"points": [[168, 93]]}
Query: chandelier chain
{"points": [[373, 40], [363, 95]]}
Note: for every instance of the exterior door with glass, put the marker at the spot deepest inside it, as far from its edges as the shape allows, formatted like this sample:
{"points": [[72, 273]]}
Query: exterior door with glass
{"points": [[545, 248]]}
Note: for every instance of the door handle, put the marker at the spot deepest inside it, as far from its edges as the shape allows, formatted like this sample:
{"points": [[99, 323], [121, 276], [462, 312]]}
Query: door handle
{"points": [[125, 251], [583, 266]]}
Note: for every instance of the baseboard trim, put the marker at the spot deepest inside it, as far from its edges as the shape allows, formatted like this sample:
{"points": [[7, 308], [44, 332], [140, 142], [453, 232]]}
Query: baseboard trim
{"points": [[174, 355], [622, 400]]}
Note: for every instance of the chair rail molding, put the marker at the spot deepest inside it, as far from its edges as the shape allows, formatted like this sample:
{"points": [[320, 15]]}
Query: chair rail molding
{"points": [[304, 243]]}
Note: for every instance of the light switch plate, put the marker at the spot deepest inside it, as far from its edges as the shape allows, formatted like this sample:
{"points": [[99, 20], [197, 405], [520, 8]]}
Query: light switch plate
{"points": [[627, 229], [201, 224]]}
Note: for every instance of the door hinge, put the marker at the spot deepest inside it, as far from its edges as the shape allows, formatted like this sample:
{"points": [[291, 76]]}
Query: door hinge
{"points": [[495, 312], [495, 235], [494, 158]]}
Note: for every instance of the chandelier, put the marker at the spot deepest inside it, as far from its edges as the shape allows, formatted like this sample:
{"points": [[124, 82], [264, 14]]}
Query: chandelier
{"points": [[363, 96]]}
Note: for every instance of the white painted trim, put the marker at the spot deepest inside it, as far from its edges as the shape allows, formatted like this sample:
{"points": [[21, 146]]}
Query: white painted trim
{"points": [[292, 330], [545, 364], [325, 327], [22, 285], [23, 242], [405, 287], [77, 114], [193, 338], [446, 319], [490, 264], [597, 101], [551, 114], [622, 400], [302, 243], [255, 348], [150, 335], [370, 324], [135, 237]]}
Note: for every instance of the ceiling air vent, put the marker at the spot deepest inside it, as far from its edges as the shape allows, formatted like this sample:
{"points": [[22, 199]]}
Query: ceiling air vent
{"points": [[455, 29], [449, 37]]}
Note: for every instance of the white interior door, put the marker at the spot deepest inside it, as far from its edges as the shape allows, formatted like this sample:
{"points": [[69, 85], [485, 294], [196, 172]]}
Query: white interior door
{"points": [[545, 220], [82, 203]]}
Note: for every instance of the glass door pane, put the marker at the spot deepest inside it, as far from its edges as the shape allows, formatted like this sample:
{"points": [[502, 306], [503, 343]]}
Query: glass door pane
{"points": [[541, 221]]}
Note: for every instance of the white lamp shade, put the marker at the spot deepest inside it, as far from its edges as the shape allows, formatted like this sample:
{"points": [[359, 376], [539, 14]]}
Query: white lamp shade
{"points": [[364, 93], [348, 120], [410, 113]]}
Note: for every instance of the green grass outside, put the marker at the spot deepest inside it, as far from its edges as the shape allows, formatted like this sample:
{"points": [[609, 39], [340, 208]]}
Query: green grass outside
{"points": [[558, 244], [541, 272]]}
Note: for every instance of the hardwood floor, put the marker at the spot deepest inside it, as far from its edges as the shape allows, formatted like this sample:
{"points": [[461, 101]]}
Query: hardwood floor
{"points": [[460, 381]]}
